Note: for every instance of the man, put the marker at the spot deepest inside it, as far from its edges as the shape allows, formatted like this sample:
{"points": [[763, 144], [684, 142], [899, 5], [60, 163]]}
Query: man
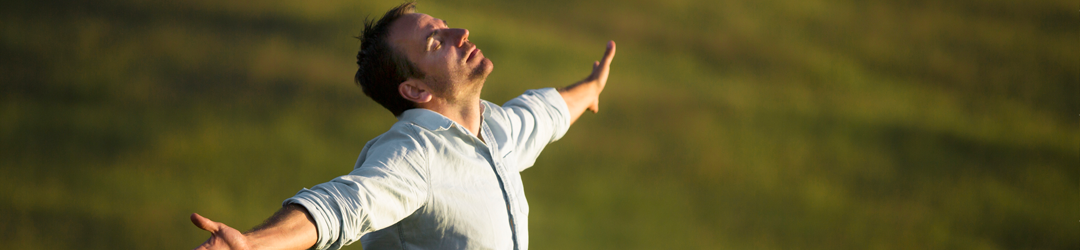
{"points": [[445, 176]]}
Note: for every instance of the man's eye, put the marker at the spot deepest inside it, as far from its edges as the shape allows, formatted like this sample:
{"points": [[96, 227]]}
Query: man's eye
{"points": [[438, 45]]}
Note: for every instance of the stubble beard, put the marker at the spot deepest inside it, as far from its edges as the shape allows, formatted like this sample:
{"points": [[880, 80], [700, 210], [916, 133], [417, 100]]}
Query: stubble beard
{"points": [[454, 94], [472, 86], [478, 74]]}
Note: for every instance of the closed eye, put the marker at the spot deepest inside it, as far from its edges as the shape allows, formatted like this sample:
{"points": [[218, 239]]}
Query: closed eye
{"points": [[433, 44]]}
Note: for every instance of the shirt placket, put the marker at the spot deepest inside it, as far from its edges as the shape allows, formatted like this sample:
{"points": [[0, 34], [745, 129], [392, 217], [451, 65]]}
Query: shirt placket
{"points": [[501, 172]]}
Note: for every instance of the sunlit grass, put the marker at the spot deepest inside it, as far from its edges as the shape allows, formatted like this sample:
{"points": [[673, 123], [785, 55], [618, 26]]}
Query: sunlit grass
{"points": [[726, 125]]}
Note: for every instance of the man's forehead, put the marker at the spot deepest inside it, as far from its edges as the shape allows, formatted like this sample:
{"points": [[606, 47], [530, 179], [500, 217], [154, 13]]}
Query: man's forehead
{"points": [[413, 24]]}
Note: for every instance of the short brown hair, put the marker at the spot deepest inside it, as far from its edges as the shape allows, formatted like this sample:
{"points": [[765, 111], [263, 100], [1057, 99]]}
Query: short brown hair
{"points": [[381, 67]]}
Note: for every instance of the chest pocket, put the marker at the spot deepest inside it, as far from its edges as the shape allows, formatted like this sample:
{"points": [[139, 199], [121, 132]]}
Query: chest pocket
{"points": [[506, 147], [506, 153], [507, 156]]}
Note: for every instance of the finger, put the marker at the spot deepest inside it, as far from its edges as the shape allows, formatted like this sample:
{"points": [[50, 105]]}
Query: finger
{"points": [[595, 71], [601, 70], [204, 223], [609, 54]]}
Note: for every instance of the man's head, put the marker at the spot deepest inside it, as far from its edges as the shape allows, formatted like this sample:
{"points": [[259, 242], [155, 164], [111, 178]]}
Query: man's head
{"points": [[407, 58]]}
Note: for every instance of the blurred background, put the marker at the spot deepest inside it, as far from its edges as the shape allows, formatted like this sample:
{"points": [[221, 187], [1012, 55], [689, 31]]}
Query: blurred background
{"points": [[767, 124]]}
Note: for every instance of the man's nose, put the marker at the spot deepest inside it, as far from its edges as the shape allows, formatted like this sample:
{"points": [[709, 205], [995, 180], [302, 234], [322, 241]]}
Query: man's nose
{"points": [[459, 36]]}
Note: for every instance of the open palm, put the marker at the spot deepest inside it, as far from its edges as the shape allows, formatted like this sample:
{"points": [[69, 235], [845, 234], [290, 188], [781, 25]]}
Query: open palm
{"points": [[221, 236]]}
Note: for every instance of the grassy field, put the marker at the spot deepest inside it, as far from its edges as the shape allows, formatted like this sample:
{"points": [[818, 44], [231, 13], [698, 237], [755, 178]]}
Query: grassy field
{"points": [[772, 124]]}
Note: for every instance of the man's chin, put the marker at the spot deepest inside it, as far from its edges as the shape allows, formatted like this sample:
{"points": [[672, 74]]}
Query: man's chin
{"points": [[481, 71]]}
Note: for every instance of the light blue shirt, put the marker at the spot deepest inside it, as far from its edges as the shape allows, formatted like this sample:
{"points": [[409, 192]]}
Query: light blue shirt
{"points": [[428, 183]]}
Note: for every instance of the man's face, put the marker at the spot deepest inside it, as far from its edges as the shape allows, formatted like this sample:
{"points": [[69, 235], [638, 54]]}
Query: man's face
{"points": [[453, 66]]}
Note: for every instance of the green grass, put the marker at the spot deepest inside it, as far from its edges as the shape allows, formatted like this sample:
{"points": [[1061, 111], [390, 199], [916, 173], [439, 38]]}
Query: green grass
{"points": [[776, 124]]}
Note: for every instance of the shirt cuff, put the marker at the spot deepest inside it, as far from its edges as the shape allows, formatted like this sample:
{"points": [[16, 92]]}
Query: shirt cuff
{"points": [[317, 210], [552, 97]]}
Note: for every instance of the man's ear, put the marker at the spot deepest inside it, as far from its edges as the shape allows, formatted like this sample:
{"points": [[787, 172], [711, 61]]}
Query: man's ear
{"points": [[414, 90]]}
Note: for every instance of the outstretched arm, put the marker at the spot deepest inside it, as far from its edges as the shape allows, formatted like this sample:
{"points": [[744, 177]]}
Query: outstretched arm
{"points": [[586, 93], [290, 228]]}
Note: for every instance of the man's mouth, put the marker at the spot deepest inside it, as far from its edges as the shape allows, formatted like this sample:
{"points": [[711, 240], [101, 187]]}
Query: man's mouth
{"points": [[472, 54]]}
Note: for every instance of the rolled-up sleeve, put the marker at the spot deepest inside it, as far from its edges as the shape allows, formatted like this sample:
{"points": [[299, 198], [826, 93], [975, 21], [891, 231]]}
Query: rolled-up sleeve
{"points": [[389, 183], [537, 118]]}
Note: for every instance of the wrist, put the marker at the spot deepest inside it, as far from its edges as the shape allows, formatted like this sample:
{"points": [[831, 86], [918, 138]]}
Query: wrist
{"points": [[292, 227]]}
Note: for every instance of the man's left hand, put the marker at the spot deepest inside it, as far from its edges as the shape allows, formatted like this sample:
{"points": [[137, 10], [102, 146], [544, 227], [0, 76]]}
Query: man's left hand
{"points": [[600, 74]]}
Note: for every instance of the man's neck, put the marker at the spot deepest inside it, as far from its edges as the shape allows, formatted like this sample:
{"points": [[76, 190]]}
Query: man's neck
{"points": [[468, 112]]}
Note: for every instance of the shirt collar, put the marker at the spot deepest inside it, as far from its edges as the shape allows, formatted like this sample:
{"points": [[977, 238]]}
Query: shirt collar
{"points": [[426, 119], [434, 121]]}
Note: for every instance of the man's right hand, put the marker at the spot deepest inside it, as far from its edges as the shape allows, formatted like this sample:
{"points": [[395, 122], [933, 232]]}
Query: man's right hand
{"points": [[221, 235]]}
